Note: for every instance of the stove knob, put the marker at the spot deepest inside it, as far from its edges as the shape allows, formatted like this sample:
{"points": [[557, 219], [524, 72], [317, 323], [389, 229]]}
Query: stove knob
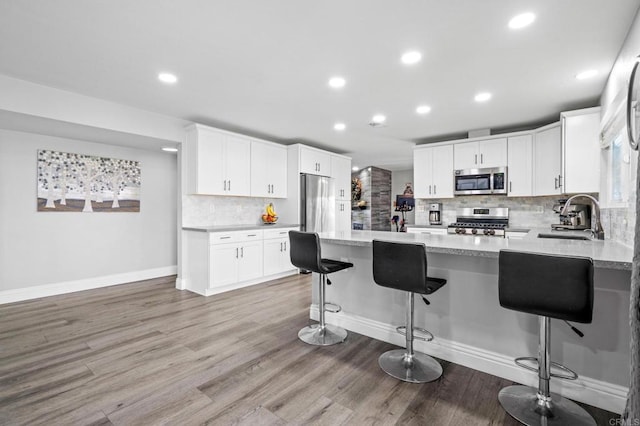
{"points": [[486, 232], [459, 231], [474, 231], [492, 232]]}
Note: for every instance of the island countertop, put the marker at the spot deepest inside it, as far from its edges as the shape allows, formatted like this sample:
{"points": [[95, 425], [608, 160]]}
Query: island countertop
{"points": [[605, 253]]}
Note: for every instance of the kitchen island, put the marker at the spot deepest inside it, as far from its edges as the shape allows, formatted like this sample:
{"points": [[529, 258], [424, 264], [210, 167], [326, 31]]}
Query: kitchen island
{"points": [[469, 325]]}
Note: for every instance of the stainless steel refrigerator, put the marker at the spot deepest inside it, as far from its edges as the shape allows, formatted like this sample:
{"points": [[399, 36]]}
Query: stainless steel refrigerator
{"points": [[317, 198]]}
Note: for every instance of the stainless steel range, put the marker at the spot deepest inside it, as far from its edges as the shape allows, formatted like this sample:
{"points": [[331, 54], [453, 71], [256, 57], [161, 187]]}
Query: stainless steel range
{"points": [[489, 221]]}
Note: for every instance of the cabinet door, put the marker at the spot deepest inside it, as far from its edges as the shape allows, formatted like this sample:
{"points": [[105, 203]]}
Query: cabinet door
{"points": [[343, 216], [210, 162], [268, 170], [466, 156], [581, 150], [492, 153], [422, 172], [250, 263], [315, 162], [547, 162], [238, 165], [274, 251], [520, 166], [341, 173], [443, 171], [223, 269]]}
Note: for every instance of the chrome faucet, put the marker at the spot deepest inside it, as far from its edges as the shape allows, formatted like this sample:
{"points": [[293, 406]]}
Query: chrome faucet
{"points": [[596, 225]]}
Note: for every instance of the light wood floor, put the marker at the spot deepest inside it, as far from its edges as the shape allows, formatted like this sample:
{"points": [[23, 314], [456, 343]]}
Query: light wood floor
{"points": [[146, 353]]}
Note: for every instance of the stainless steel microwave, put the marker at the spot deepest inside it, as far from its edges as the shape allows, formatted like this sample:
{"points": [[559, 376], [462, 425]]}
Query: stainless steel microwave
{"points": [[480, 181]]}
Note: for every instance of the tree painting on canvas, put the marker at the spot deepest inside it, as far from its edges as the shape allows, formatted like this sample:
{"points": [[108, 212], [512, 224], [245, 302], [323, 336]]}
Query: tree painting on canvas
{"points": [[84, 183]]}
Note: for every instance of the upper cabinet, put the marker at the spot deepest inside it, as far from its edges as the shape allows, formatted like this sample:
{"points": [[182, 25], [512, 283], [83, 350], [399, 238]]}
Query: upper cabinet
{"points": [[217, 162], [520, 166], [480, 154], [268, 170], [341, 174], [433, 171], [547, 160], [314, 161], [581, 150]]}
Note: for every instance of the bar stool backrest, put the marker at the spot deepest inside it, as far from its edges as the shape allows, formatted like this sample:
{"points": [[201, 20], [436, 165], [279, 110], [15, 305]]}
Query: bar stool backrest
{"points": [[305, 251], [402, 266], [553, 286]]}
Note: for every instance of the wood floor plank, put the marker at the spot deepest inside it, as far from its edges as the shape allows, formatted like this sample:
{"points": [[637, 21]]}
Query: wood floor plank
{"points": [[146, 353]]}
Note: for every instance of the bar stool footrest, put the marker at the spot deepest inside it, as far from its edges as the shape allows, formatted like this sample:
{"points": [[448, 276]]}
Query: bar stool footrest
{"points": [[334, 308], [566, 373], [418, 333]]}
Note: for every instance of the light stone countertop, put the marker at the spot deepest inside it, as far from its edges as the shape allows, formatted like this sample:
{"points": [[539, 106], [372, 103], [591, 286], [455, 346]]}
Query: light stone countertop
{"points": [[605, 254], [227, 228]]}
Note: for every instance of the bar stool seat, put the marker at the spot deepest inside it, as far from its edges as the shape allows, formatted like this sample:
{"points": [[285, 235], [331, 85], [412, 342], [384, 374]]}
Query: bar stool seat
{"points": [[403, 266], [306, 254], [549, 286]]}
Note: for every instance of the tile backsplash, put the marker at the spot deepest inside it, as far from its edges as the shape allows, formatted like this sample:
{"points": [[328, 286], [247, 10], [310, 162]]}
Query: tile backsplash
{"points": [[209, 210], [524, 212]]}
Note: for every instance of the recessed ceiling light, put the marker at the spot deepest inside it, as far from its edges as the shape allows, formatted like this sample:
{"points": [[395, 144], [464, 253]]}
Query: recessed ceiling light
{"points": [[339, 126], [337, 82], [355, 168], [522, 20], [412, 57], [378, 119], [586, 74], [168, 78], [423, 109], [170, 149], [483, 97]]}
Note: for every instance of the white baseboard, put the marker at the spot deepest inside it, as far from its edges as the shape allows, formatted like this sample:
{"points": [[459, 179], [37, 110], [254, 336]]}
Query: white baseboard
{"points": [[590, 391], [235, 286], [35, 292]]}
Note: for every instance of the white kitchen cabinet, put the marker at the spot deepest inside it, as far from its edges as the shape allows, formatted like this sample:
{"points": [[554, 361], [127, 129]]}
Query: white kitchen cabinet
{"points": [[268, 170], [277, 258], [218, 162], [581, 151], [341, 174], [433, 172], [480, 154], [239, 259], [343, 215], [314, 161], [547, 160], [520, 166]]}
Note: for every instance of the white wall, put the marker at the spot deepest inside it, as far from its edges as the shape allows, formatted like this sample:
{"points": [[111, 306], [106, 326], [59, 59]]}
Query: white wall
{"points": [[620, 222], [63, 249]]}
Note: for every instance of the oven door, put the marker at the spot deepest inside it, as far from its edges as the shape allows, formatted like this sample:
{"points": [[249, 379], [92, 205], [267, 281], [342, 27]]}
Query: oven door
{"points": [[472, 182]]}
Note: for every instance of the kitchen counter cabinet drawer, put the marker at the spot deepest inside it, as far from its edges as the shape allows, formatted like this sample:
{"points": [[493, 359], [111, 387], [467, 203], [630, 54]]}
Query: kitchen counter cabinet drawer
{"points": [[234, 236], [278, 233]]}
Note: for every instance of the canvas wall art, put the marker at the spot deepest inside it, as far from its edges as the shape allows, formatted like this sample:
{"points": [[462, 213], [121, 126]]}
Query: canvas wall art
{"points": [[84, 183]]}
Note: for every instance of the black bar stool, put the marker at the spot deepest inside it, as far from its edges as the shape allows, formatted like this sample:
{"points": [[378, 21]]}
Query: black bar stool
{"points": [[403, 266], [549, 286], [305, 254]]}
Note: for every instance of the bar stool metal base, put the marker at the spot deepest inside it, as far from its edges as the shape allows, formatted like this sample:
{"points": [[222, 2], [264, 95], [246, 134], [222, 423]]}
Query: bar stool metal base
{"points": [[521, 402], [316, 335], [420, 369]]}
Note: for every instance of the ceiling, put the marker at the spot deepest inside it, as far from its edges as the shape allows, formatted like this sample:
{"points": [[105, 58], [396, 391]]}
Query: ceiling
{"points": [[262, 67]]}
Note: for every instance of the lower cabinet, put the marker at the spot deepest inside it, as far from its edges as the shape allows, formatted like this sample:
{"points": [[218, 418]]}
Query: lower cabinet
{"points": [[277, 258], [221, 261]]}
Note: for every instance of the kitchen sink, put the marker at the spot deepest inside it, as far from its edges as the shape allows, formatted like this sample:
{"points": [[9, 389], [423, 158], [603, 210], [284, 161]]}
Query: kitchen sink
{"points": [[566, 236]]}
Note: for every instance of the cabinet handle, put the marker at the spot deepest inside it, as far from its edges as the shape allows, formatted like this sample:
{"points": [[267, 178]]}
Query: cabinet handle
{"points": [[225, 185], [429, 189], [509, 186], [476, 159], [555, 183], [236, 252], [434, 190], [241, 251], [251, 235], [225, 238], [229, 184], [559, 181], [481, 159], [285, 246]]}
